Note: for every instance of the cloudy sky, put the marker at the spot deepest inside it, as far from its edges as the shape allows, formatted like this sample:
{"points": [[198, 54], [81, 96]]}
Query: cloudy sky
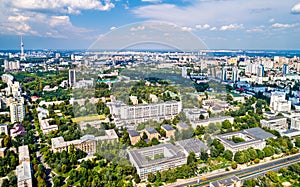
{"points": [[221, 24]]}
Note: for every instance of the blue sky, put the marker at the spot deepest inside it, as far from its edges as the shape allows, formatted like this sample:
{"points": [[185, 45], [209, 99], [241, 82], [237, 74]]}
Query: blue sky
{"points": [[221, 24]]}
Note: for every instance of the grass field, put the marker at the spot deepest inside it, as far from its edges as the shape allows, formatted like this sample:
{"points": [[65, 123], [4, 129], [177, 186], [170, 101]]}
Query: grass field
{"points": [[88, 118]]}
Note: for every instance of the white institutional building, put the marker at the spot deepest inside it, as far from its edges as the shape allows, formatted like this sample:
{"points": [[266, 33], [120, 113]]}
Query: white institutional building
{"points": [[135, 114]]}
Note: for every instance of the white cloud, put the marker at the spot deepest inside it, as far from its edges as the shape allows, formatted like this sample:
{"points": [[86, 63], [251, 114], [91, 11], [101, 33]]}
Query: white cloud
{"points": [[151, 1], [64, 6], [18, 18], [49, 18], [232, 27], [256, 29], [113, 28], [138, 28], [186, 28], [296, 9], [271, 20], [280, 25], [213, 28], [205, 26]]}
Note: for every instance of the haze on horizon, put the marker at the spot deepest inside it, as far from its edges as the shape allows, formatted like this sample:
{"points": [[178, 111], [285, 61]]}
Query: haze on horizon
{"points": [[76, 24]]}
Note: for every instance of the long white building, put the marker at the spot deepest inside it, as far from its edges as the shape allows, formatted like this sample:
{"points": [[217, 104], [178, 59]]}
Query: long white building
{"points": [[135, 114]]}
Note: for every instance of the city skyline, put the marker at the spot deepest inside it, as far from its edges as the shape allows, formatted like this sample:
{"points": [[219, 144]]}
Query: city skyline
{"points": [[76, 24]]}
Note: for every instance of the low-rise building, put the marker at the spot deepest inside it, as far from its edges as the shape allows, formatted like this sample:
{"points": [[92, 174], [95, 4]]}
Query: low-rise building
{"points": [[17, 129], [253, 137], [134, 136], [151, 133], [156, 158], [233, 181], [170, 131], [2, 152], [275, 123], [192, 145], [193, 114], [86, 143], [182, 126], [206, 122]]}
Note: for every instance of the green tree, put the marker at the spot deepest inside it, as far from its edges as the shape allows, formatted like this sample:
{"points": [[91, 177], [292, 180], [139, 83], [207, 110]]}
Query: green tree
{"points": [[151, 177], [191, 158], [268, 150], [233, 165], [228, 155]]}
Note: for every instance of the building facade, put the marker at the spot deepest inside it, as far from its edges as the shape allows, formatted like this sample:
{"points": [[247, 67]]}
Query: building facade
{"points": [[17, 112], [156, 158], [135, 114]]}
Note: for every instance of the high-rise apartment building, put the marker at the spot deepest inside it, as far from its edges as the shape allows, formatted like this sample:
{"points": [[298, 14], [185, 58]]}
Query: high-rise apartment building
{"points": [[72, 77], [17, 112]]}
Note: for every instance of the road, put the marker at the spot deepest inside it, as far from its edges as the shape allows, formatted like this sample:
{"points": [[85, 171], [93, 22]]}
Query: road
{"points": [[249, 172]]}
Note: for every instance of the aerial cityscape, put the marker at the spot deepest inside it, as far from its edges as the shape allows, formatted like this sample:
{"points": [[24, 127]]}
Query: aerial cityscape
{"points": [[149, 93]]}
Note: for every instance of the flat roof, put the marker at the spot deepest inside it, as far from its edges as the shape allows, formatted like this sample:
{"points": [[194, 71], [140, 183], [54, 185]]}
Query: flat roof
{"points": [[192, 145], [169, 151], [259, 133], [133, 133], [151, 130], [168, 127], [24, 172], [225, 182]]}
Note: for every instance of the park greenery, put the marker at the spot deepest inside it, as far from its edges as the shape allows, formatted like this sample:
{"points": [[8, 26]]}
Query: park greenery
{"points": [[289, 176]]}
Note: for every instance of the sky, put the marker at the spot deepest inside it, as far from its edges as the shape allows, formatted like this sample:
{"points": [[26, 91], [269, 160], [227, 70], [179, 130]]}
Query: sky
{"points": [[220, 24]]}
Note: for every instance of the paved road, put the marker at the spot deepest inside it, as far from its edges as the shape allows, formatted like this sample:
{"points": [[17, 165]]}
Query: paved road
{"points": [[249, 172]]}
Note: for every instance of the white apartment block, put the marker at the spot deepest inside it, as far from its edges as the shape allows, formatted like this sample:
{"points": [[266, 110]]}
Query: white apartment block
{"points": [[295, 123], [11, 65], [278, 102], [135, 114], [17, 112], [275, 123]]}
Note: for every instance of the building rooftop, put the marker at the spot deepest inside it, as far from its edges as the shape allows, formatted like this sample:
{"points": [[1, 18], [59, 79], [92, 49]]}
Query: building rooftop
{"points": [[168, 127], [182, 125], [226, 182], [145, 157], [259, 133], [192, 145], [23, 153], [24, 172], [133, 133], [151, 130]]}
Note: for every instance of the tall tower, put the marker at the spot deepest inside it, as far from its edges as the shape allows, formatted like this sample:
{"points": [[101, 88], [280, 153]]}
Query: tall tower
{"points": [[72, 77], [22, 57]]}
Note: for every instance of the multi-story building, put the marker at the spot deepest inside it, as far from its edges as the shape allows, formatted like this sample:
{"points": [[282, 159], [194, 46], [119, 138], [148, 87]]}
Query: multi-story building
{"points": [[278, 102], [24, 171], [17, 112], [13, 89], [23, 154], [135, 114], [156, 158], [11, 65], [86, 143], [295, 123], [254, 137], [24, 174], [72, 77], [275, 123]]}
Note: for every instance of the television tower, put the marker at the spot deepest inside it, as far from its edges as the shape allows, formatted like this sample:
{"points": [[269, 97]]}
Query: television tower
{"points": [[22, 57]]}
